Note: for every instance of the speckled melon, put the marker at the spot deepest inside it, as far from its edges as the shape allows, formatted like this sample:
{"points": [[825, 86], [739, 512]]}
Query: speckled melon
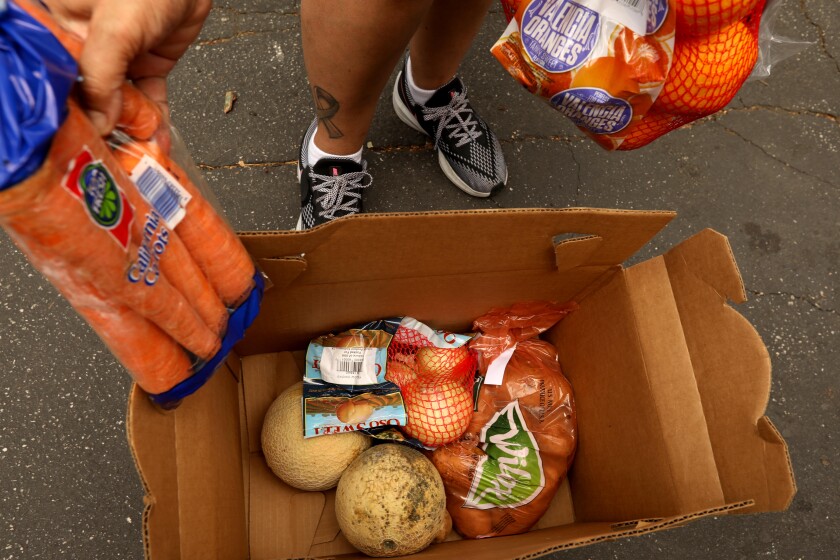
{"points": [[390, 501]]}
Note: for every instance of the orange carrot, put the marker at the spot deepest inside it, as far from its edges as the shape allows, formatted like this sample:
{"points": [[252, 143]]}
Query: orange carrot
{"points": [[140, 117], [156, 362], [176, 263], [211, 242]]}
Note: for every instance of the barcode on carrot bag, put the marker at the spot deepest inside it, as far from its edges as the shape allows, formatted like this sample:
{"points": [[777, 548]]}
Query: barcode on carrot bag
{"points": [[161, 190]]}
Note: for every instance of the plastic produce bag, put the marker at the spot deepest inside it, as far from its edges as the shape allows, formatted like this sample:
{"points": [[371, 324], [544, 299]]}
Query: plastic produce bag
{"points": [[118, 228], [625, 85], [501, 476], [345, 387], [772, 47], [601, 63]]}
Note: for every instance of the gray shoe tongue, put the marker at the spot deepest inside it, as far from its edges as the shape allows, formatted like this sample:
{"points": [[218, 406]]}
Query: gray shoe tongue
{"points": [[443, 96]]}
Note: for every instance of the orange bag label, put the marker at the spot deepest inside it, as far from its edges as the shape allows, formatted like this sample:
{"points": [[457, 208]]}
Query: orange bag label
{"points": [[559, 35], [94, 186]]}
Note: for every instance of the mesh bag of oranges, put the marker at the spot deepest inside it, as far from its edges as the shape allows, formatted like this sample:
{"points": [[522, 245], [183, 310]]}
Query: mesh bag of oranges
{"points": [[435, 372], [628, 71]]}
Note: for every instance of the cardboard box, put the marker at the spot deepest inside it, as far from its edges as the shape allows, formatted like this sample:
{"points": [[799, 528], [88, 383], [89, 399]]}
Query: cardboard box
{"points": [[671, 383]]}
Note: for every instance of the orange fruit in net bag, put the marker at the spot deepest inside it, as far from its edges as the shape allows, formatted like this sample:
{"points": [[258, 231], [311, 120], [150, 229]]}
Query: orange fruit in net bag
{"points": [[708, 71], [653, 125], [703, 17]]}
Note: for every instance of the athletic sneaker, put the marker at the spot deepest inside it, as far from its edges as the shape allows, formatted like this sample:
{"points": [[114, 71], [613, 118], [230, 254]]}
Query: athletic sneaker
{"points": [[330, 189], [468, 151]]}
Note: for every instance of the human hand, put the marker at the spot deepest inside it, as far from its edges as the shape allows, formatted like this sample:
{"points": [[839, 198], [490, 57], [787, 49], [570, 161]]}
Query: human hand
{"points": [[140, 40]]}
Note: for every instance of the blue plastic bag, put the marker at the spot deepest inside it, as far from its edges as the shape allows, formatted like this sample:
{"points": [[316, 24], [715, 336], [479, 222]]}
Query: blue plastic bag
{"points": [[36, 75]]}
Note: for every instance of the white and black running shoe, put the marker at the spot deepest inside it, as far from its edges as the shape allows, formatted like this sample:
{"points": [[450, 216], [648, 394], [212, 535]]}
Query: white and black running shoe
{"points": [[468, 151], [330, 189]]}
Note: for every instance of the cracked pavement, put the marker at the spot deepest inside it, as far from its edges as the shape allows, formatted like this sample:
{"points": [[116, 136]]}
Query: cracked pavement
{"points": [[763, 172]]}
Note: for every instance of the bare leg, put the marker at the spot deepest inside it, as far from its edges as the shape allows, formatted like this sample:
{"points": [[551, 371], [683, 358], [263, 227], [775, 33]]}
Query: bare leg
{"points": [[350, 48], [443, 38]]}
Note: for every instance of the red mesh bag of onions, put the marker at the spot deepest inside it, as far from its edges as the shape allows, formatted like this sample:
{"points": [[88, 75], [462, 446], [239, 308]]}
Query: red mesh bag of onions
{"points": [[435, 371]]}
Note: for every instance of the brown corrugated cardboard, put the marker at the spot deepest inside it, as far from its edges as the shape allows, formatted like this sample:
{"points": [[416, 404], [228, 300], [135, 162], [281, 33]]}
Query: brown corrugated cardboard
{"points": [[671, 383]]}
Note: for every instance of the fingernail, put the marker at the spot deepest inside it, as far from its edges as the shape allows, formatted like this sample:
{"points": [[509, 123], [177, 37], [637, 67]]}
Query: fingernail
{"points": [[100, 121]]}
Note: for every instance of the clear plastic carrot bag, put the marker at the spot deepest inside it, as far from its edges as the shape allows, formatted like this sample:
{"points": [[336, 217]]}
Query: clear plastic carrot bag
{"points": [[120, 250]]}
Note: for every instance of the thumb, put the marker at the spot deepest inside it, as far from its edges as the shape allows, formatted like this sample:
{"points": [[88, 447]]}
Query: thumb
{"points": [[110, 47]]}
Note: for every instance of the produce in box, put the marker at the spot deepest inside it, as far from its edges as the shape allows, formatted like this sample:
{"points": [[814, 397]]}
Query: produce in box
{"points": [[435, 371], [501, 476], [307, 464]]}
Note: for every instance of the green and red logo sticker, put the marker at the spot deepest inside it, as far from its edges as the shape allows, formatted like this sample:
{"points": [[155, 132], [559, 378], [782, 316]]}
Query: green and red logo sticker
{"points": [[91, 182], [510, 473]]}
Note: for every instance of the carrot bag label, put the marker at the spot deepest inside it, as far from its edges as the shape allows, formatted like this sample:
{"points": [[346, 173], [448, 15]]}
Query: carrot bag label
{"points": [[601, 63], [94, 186], [345, 388], [162, 191]]}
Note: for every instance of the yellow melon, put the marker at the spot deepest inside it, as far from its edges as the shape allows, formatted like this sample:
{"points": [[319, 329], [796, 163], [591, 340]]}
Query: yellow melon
{"points": [[308, 464]]}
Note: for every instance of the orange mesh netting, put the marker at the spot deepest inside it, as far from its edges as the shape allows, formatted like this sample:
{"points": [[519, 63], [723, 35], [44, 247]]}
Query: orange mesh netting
{"points": [[436, 384], [709, 69], [704, 17]]}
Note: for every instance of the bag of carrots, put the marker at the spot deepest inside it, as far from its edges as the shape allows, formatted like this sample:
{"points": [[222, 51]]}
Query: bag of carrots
{"points": [[628, 71], [115, 224]]}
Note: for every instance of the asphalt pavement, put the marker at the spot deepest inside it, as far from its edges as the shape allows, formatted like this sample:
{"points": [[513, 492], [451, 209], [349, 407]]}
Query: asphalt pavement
{"points": [[764, 172]]}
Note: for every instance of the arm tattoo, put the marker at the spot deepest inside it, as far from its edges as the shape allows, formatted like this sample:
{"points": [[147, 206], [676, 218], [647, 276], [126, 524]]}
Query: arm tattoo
{"points": [[326, 106]]}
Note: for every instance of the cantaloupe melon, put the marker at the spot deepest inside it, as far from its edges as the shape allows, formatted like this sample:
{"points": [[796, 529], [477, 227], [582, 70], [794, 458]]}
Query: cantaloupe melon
{"points": [[308, 464], [390, 501]]}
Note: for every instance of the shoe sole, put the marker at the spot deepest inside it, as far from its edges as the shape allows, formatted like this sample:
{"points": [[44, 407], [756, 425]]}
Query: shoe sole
{"points": [[406, 116], [299, 226]]}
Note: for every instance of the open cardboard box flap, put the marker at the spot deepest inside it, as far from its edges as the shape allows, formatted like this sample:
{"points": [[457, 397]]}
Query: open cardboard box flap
{"points": [[670, 382]]}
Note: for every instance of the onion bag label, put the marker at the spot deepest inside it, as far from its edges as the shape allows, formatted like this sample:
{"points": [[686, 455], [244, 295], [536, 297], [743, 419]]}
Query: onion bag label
{"points": [[345, 389], [594, 109], [331, 409], [355, 357]]}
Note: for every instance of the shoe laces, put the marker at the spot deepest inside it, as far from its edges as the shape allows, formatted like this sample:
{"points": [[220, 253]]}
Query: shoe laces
{"points": [[457, 117], [340, 193]]}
